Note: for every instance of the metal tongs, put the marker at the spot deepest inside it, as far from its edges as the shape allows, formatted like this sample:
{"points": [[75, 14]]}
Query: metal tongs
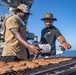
{"points": [[62, 48]]}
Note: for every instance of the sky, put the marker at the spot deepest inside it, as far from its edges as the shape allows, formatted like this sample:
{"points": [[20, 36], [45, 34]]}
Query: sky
{"points": [[63, 10]]}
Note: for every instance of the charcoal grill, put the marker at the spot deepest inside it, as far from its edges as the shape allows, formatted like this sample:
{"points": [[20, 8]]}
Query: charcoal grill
{"points": [[64, 68]]}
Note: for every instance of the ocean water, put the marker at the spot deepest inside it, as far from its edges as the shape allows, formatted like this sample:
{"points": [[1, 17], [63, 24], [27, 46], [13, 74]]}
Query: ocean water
{"points": [[68, 53]]}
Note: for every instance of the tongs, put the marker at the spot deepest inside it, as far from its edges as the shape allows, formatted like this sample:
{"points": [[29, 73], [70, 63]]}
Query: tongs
{"points": [[62, 48]]}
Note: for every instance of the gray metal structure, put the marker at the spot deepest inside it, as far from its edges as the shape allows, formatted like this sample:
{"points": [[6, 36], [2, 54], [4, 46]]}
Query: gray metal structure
{"points": [[15, 3]]}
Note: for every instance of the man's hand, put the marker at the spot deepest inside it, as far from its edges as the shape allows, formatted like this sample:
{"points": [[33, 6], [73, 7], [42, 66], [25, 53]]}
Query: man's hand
{"points": [[34, 49], [63, 42], [66, 45]]}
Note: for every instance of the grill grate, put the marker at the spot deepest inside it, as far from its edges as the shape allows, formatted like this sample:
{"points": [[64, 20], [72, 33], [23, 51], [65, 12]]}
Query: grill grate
{"points": [[68, 67]]}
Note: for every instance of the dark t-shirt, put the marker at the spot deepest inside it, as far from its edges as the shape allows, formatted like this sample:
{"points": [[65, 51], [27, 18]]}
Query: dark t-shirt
{"points": [[49, 36]]}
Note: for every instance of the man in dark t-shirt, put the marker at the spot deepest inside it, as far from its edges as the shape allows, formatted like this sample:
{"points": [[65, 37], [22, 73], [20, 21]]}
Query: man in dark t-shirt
{"points": [[50, 33]]}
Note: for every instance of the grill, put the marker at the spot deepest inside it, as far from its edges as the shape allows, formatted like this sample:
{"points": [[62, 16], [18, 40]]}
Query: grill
{"points": [[63, 67]]}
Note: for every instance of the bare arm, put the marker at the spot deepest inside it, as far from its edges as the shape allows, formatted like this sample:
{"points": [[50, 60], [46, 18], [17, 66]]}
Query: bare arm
{"points": [[63, 42], [34, 49]]}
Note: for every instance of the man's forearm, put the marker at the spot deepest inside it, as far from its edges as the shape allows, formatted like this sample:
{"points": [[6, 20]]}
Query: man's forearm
{"points": [[61, 39], [20, 38]]}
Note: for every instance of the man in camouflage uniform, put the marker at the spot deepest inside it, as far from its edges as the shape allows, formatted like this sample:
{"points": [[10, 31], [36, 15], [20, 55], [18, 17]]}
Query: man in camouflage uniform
{"points": [[15, 36]]}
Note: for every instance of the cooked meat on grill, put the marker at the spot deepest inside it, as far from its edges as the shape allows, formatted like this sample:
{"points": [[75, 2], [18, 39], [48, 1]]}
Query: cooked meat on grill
{"points": [[12, 63], [31, 65], [41, 62], [23, 63], [37, 60], [2, 64], [5, 69], [19, 68], [53, 61], [65, 59], [58, 60]]}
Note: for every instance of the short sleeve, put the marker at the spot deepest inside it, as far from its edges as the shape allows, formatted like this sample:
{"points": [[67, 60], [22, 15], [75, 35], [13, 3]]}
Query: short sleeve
{"points": [[13, 22], [57, 33]]}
